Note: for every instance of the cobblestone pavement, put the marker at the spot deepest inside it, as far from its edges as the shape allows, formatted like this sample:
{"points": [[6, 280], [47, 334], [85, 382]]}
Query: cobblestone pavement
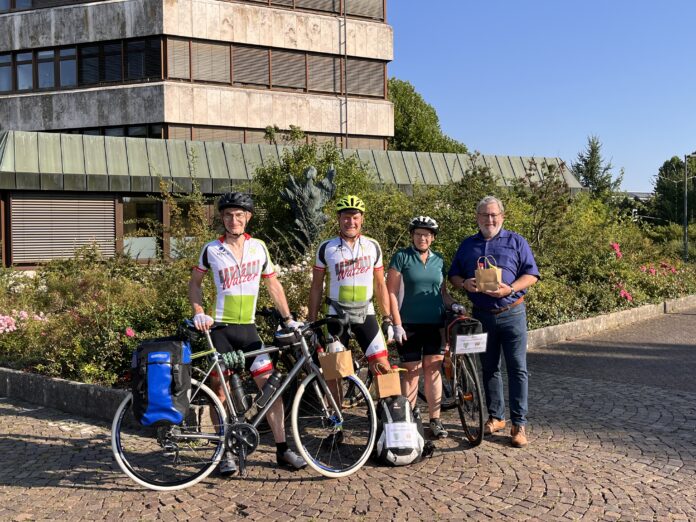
{"points": [[612, 423]]}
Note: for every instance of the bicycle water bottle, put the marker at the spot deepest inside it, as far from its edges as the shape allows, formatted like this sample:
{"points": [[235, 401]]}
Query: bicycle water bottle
{"points": [[269, 389], [239, 398]]}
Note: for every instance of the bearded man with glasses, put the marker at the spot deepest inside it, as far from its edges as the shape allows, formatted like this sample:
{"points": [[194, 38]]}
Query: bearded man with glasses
{"points": [[501, 312]]}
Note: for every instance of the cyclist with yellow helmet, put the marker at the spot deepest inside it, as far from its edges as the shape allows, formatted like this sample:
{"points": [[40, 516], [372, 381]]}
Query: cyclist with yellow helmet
{"points": [[353, 267]]}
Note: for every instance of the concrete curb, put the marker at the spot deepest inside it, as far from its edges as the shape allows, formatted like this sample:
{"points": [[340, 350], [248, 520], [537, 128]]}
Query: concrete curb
{"points": [[99, 402], [592, 325]]}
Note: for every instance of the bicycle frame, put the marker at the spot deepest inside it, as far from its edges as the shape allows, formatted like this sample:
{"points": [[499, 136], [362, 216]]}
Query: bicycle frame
{"points": [[304, 362]]}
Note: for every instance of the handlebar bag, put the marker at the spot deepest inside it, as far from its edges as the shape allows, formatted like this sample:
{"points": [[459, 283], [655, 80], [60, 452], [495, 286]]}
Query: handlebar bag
{"points": [[161, 380]]}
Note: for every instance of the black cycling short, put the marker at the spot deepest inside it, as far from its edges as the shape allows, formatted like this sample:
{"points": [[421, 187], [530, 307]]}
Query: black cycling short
{"points": [[421, 340], [368, 336], [246, 338]]}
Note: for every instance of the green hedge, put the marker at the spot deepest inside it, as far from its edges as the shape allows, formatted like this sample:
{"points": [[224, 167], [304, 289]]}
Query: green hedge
{"points": [[81, 318]]}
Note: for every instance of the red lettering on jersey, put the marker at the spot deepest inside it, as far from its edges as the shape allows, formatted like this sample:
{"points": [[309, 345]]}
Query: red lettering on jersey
{"points": [[352, 267], [236, 275]]}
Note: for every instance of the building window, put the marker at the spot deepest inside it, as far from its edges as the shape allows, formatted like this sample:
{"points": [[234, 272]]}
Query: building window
{"points": [[68, 67], [25, 72], [251, 66], [89, 65], [324, 73], [178, 63], [5, 72], [111, 71], [45, 63], [210, 62], [143, 59], [289, 69], [365, 77], [4, 5], [114, 131], [141, 217]]}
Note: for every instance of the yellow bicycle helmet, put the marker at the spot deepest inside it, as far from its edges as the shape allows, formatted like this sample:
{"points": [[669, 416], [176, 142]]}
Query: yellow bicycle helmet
{"points": [[350, 203]]}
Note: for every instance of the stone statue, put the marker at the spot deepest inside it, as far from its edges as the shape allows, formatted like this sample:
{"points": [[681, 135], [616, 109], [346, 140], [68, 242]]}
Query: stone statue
{"points": [[307, 201]]}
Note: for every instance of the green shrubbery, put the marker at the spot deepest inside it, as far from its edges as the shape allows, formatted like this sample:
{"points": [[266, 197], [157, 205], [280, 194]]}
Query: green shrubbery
{"points": [[81, 318]]}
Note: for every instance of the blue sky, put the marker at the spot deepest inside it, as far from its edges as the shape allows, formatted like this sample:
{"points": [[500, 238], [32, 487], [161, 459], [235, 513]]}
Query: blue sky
{"points": [[538, 77]]}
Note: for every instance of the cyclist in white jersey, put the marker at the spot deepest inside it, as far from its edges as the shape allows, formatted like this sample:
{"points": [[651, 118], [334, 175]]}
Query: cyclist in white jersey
{"points": [[353, 265], [238, 263]]}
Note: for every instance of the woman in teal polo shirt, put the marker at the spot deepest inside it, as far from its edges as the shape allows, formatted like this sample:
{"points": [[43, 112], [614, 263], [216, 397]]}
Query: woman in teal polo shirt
{"points": [[416, 285]]}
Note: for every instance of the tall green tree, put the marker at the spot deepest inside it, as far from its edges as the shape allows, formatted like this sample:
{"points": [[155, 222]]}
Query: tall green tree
{"points": [[416, 124], [594, 173], [668, 204]]}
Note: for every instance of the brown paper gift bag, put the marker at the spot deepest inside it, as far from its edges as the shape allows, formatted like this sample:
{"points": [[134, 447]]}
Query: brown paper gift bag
{"points": [[388, 383], [488, 275], [336, 365]]}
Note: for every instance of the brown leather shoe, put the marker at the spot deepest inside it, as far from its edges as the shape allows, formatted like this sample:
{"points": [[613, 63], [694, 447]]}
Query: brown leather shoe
{"points": [[519, 437], [492, 425]]}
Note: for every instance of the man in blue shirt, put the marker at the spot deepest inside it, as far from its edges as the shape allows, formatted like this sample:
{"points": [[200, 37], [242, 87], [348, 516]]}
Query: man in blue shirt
{"points": [[502, 312]]}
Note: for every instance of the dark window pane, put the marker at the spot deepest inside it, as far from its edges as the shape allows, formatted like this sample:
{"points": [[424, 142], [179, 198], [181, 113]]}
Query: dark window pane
{"points": [[5, 78], [68, 73], [139, 214], [112, 62], [45, 55], [24, 57], [135, 60], [89, 65], [114, 131], [91, 132], [5, 59], [4, 5], [155, 131], [137, 131], [46, 75], [25, 81], [70, 51], [153, 59], [23, 4]]}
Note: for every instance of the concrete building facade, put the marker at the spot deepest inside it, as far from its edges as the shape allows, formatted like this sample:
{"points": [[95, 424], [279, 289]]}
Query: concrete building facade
{"points": [[197, 69]]}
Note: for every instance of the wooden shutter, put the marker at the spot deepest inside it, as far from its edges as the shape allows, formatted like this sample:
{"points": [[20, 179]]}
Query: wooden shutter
{"points": [[365, 142], [324, 73], [365, 77], [178, 65], [210, 62], [51, 226], [283, 3], [366, 8], [250, 65], [288, 69], [218, 134]]}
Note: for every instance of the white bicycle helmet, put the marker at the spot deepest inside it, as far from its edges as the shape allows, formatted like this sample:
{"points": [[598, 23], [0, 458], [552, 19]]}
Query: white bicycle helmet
{"points": [[424, 222]]}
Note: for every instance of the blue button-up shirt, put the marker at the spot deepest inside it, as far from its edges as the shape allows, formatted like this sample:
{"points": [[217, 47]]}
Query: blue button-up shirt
{"points": [[512, 255]]}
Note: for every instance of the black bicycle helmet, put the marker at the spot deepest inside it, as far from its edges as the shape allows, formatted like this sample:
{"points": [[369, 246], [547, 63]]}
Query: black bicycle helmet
{"points": [[237, 200], [423, 222]]}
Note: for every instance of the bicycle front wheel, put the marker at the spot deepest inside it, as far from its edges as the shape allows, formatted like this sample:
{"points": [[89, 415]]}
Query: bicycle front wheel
{"points": [[171, 457], [469, 400], [334, 443]]}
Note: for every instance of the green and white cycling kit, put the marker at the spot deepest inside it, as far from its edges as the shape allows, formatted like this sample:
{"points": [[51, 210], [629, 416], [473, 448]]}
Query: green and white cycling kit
{"points": [[350, 272], [237, 285]]}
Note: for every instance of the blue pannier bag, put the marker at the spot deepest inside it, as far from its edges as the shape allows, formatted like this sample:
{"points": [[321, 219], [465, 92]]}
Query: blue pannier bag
{"points": [[161, 379]]}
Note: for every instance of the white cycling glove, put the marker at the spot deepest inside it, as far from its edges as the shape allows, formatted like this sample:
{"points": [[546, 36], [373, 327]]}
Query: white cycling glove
{"points": [[399, 334], [458, 309], [202, 321], [293, 325]]}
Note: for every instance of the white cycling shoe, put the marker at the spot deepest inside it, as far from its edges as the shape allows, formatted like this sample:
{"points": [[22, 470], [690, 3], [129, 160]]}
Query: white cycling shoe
{"points": [[290, 459]]}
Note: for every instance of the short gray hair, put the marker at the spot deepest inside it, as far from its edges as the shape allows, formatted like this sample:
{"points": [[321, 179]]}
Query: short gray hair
{"points": [[487, 201]]}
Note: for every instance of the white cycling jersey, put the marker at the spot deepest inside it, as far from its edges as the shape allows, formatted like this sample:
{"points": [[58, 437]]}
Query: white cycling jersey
{"points": [[350, 270], [236, 280]]}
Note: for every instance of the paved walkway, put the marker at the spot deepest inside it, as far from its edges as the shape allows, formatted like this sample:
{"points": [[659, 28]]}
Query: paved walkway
{"points": [[612, 429]]}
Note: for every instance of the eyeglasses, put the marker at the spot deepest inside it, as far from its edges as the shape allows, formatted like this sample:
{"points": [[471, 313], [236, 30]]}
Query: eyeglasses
{"points": [[423, 234], [491, 216]]}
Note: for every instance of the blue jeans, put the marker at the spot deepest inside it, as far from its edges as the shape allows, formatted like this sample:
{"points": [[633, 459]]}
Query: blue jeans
{"points": [[507, 333]]}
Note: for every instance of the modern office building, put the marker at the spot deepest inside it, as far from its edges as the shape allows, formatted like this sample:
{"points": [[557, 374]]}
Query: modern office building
{"points": [[197, 69]]}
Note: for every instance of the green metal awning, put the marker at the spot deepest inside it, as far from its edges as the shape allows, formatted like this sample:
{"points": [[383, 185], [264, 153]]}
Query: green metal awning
{"points": [[72, 162]]}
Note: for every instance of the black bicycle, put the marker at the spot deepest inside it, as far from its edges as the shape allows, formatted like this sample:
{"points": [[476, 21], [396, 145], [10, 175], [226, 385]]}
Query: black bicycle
{"points": [[334, 439]]}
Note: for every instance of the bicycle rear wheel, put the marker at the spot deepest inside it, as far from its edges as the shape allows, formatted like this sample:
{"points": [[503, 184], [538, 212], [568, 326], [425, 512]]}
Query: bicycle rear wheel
{"points": [[167, 458], [333, 446], [469, 399]]}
